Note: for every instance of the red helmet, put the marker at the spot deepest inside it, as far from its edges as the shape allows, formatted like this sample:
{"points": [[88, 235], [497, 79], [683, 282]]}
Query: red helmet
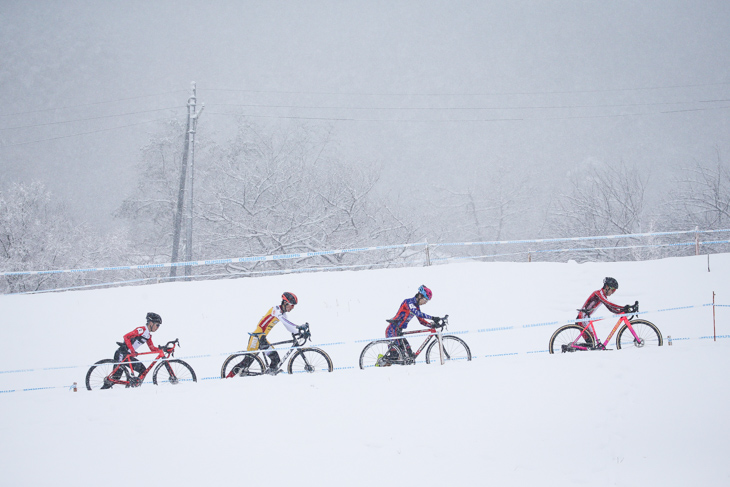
{"points": [[289, 298]]}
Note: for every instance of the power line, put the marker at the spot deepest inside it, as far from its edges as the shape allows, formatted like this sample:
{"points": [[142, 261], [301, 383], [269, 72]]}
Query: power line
{"points": [[84, 133], [546, 92], [90, 118], [89, 104], [534, 107]]}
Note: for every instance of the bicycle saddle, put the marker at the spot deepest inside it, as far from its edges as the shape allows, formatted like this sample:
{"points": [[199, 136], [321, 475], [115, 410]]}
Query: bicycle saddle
{"points": [[392, 322]]}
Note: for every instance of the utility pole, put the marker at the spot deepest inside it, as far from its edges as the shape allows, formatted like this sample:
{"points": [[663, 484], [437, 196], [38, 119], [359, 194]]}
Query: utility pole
{"points": [[193, 117], [188, 155]]}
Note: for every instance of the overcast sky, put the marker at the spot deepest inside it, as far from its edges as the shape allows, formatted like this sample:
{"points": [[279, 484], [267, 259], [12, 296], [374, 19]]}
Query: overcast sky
{"points": [[432, 90]]}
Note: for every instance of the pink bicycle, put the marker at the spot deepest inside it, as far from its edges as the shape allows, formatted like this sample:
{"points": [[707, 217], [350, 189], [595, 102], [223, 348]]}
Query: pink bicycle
{"points": [[631, 332]]}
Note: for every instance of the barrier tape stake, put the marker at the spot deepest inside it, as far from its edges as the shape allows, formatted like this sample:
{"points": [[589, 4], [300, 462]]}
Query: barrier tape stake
{"points": [[714, 331]]}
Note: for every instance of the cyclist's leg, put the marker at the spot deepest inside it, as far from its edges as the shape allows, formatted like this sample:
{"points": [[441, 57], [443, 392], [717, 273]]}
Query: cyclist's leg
{"points": [[406, 347], [391, 332], [138, 366], [118, 357], [273, 355], [587, 336], [253, 344]]}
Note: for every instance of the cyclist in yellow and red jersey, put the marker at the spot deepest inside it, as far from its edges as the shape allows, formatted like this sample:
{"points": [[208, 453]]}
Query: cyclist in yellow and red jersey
{"points": [[258, 339], [600, 297]]}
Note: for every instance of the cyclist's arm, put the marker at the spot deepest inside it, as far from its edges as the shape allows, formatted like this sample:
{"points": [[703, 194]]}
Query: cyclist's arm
{"points": [[152, 346], [422, 317], [291, 327], [613, 308]]}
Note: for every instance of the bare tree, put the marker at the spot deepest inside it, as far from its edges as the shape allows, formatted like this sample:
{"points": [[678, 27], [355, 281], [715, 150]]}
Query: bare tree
{"points": [[702, 197], [603, 201], [495, 206]]}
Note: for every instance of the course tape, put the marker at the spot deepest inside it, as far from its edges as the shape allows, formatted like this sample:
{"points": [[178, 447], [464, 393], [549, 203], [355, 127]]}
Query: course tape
{"points": [[303, 255], [475, 357], [578, 249], [460, 332]]}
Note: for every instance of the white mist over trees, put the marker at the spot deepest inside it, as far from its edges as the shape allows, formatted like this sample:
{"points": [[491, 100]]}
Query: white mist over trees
{"points": [[284, 188]]}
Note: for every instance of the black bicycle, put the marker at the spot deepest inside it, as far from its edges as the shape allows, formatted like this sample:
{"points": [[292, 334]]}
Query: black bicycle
{"points": [[307, 359]]}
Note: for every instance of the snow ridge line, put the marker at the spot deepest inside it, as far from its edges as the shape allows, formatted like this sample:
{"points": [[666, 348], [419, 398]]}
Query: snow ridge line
{"points": [[367, 340]]}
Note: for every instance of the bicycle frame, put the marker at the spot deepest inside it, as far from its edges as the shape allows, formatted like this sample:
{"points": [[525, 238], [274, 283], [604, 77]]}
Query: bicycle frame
{"points": [[433, 332], [160, 355], [265, 352], [623, 319]]}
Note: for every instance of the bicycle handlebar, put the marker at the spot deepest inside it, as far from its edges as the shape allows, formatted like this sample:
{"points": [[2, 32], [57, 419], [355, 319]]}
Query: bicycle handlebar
{"points": [[304, 335]]}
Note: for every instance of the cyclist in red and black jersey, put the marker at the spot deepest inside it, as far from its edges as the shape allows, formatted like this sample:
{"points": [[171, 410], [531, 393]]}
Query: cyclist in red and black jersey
{"points": [[133, 340], [600, 297], [408, 309]]}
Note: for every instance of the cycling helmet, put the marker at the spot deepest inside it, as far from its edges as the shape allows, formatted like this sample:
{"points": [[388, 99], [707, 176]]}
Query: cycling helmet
{"points": [[154, 318], [610, 282], [289, 298], [425, 292]]}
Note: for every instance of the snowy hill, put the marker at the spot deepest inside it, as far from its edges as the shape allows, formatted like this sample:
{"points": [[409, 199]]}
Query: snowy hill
{"points": [[515, 415]]}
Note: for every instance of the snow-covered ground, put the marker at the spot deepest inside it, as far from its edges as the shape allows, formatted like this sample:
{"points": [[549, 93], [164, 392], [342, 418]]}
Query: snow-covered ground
{"points": [[515, 415]]}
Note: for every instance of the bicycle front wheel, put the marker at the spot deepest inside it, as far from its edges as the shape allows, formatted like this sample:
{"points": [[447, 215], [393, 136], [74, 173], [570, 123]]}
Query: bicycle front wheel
{"points": [[454, 349], [648, 335], [310, 360], [564, 337], [255, 367], [173, 372], [98, 375], [382, 353]]}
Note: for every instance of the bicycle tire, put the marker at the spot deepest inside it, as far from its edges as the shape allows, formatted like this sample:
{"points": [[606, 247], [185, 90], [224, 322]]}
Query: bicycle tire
{"points": [[256, 368], [309, 360], [647, 331], [175, 371], [564, 336], [454, 349], [97, 374], [373, 355]]}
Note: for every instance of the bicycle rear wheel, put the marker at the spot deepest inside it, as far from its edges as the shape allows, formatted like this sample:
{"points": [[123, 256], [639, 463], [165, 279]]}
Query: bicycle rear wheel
{"points": [[454, 349], [382, 353], [97, 376], [310, 360], [648, 333], [256, 367], [564, 336], [173, 372]]}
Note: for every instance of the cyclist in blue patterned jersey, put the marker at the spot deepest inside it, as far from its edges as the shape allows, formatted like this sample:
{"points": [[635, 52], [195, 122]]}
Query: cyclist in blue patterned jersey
{"points": [[408, 309]]}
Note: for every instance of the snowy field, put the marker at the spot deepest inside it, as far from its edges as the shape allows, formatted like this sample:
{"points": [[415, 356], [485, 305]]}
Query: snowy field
{"points": [[514, 416]]}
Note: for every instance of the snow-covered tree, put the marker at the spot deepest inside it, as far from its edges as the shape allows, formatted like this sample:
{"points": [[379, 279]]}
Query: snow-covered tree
{"points": [[36, 233], [603, 200], [267, 191]]}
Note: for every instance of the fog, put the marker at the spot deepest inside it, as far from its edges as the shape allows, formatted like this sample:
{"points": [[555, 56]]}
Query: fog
{"points": [[428, 90]]}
